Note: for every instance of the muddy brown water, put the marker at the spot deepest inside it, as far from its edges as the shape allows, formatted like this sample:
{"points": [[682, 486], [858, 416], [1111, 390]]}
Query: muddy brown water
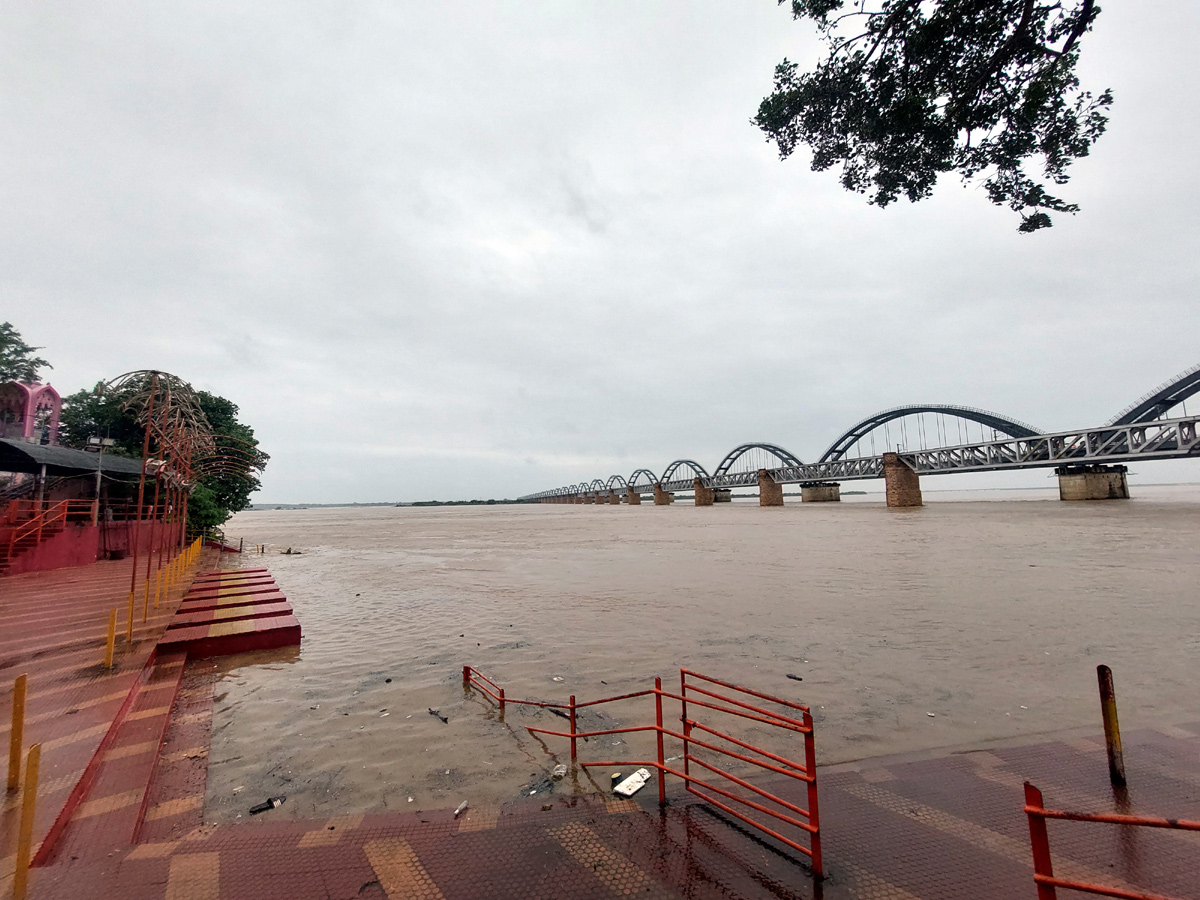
{"points": [[989, 610]]}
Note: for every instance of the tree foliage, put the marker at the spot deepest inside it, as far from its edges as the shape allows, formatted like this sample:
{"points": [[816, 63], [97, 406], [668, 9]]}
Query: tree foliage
{"points": [[912, 89], [17, 362]]}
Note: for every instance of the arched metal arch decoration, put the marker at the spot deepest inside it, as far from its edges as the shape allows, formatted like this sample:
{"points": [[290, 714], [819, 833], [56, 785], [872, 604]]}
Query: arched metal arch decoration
{"points": [[1003, 424], [669, 473], [785, 457], [597, 485], [615, 480], [1152, 405], [651, 478]]}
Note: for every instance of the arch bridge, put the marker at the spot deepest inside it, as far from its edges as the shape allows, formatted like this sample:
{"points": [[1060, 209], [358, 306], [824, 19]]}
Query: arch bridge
{"points": [[1090, 461]]}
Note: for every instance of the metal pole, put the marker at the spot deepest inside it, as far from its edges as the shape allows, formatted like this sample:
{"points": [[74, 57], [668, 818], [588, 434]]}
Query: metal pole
{"points": [[814, 816], [112, 639], [136, 532], [687, 726], [1040, 841], [658, 721], [96, 505], [1112, 731], [572, 708], [25, 835], [17, 735], [150, 549]]}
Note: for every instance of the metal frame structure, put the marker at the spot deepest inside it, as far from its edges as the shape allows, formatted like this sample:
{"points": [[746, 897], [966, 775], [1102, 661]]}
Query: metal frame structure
{"points": [[1043, 867], [859, 430], [698, 691]]}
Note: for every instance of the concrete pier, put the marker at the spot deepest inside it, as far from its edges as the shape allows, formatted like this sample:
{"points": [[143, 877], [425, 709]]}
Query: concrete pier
{"points": [[821, 492], [704, 494], [1092, 483], [903, 484], [614, 498], [769, 493], [661, 497], [589, 498], [633, 496]]}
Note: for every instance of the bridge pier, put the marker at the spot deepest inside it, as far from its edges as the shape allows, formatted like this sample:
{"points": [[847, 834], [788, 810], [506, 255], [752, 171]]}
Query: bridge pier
{"points": [[821, 492], [635, 499], [722, 495], [614, 499], [704, 494], [769, 493], [661, 497], [1092, 482], [902, 483], [589, 498]]}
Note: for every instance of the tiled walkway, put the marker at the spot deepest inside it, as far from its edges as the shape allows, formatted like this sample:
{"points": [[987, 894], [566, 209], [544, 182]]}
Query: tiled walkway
{"points": [[939, 826], [945, 827], [55, 626]]}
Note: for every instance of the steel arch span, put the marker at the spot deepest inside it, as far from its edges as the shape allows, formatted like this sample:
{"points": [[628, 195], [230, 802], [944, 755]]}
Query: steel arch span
{"points": [[650, 479], [1152, 405], [785, 457], [615, 480], [1010, 427], [671, 470]]}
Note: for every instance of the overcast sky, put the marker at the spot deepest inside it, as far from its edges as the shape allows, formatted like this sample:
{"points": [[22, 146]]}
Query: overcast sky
{"points": [[480, 249]]}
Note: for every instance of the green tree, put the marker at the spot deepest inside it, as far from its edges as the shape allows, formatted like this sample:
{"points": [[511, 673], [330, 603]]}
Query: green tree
{"points": [[912, 89], [17, 362]]}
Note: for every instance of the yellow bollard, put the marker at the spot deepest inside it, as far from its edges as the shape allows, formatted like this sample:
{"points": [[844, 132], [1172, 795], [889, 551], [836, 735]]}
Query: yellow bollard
{"points": [[18, 732], [112, 639], [158, 585], [1112, 731], [129, 626], [25, 834], [146, 601]]}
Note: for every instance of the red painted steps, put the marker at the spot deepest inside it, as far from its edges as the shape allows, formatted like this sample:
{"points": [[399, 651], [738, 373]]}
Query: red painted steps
{"points": [[231, 612], [110, 801]]}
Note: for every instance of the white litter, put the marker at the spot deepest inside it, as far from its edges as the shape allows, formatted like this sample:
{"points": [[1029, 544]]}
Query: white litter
{"points": [[462, 808], [931, 715], [633, 783]]}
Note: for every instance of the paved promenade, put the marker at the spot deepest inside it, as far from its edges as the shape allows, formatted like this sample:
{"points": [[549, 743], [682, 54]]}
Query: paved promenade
{"points": [[946, 825]]}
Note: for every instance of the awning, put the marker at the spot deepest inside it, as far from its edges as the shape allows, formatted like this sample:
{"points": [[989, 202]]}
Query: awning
{"points": [[22, 456]]}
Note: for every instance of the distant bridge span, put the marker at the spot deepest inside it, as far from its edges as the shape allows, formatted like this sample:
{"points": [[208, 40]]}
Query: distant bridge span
{"points": [[1090, 459]]}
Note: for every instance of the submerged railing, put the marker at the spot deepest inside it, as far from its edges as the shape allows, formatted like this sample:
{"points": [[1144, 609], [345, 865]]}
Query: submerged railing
{"points": [[700, 691]]}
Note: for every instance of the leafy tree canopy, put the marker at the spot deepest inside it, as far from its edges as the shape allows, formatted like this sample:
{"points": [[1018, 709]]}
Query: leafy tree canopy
{"points": [[17, 362], [911, 89]]}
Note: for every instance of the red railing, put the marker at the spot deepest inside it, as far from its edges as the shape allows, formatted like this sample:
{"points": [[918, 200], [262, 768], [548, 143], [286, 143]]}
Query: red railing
{"points": [[59, 512], [696, 690], [20, 512], [1043, 869]]}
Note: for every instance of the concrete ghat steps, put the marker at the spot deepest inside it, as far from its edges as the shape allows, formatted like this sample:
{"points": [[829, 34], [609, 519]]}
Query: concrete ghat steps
{"points": [[109, 808], [231, 612]]}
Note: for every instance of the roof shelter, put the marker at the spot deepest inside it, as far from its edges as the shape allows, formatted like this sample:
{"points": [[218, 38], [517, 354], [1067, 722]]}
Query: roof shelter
{"points": [[23, 456]]}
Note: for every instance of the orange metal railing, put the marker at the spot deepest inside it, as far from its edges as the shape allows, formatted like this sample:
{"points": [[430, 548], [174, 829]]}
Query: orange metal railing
{"points": [[701, 691], [1043, 868]]}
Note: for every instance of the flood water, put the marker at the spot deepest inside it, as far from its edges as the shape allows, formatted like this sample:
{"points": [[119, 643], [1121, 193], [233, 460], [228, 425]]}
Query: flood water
{"points": [[989, 610]]}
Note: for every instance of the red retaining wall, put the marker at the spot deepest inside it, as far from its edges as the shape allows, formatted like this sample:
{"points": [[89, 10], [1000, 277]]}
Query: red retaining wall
{"points": [[78, 545]]}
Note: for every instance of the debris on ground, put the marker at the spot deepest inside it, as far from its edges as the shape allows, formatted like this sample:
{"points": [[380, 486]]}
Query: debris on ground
{"points": [[546, 807], [633, 783], [558, 712], [931, 715], [793, 677], [560, 772], [438, 713], [462, 808], [538, 785], [269, 803]]}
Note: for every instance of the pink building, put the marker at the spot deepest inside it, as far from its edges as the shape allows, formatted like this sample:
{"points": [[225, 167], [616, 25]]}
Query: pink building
{"points": [[29, 412]]}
